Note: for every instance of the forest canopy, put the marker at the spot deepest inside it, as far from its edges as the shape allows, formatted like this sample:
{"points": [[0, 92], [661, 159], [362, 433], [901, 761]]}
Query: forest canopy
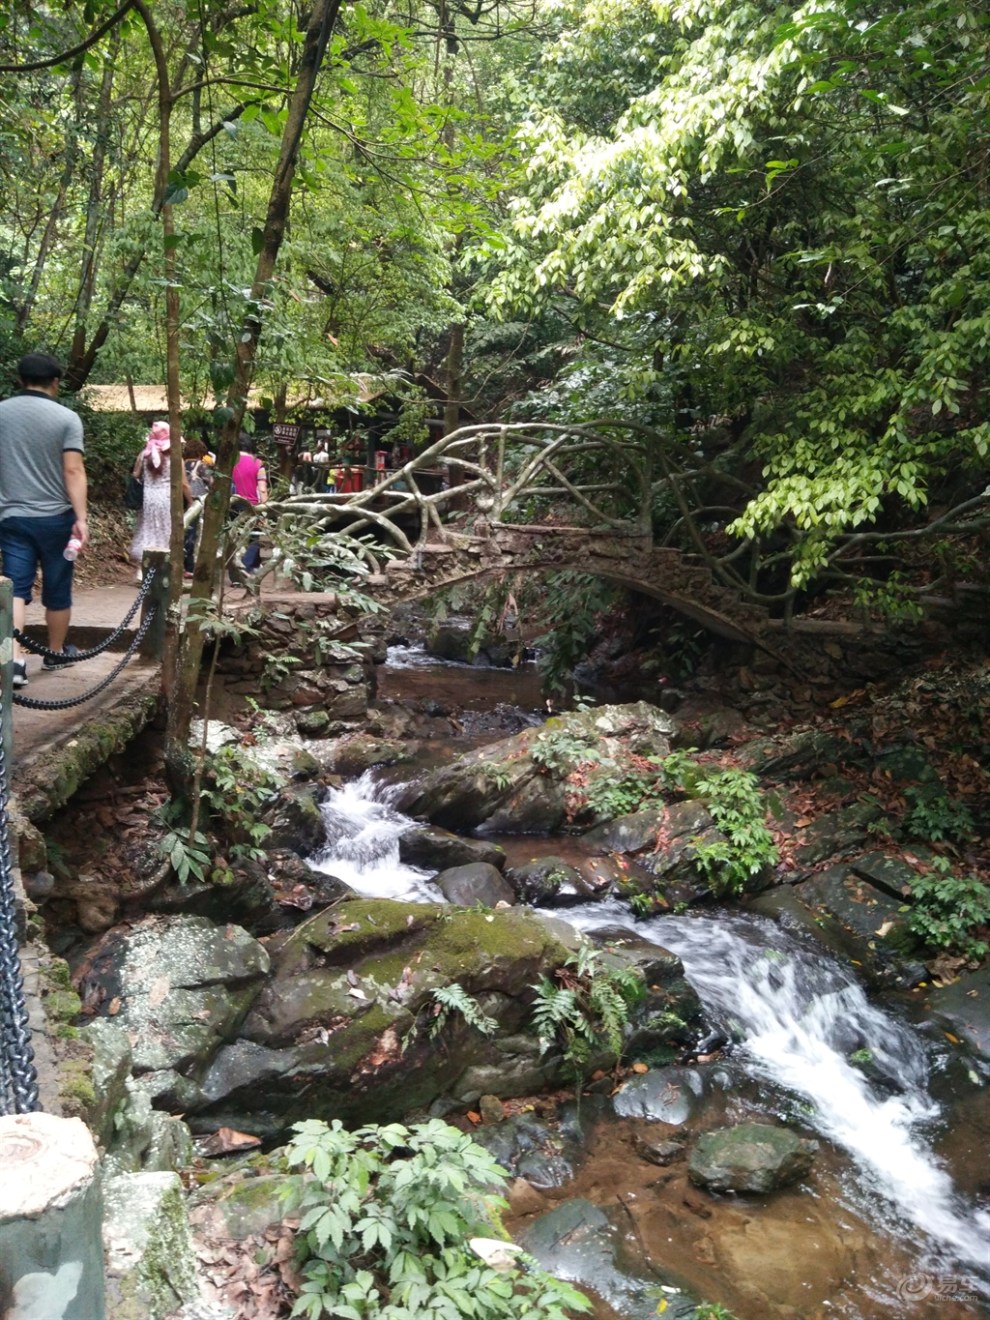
{"points": [[759, 230]]}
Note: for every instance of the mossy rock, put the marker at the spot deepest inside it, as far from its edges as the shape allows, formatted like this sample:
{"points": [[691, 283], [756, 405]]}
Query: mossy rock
{"points": [[343, 1028]]}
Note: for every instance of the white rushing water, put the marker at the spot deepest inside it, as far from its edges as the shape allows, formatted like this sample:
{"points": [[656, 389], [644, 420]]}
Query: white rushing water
{"points": [[796, 1014], [362, 848]]}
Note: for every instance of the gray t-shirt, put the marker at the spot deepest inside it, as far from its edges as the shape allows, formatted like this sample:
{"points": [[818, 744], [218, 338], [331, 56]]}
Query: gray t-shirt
{"points": [[35, 431]]}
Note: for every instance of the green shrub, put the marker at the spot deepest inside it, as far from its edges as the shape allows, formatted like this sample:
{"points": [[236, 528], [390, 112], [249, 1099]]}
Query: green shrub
{"points": [[387, 1218], [738, 809], [935, 817], [586, 1006], [947, 910]]}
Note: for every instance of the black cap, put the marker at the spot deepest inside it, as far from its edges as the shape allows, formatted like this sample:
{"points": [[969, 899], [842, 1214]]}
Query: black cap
{"points": [[39, 368]]}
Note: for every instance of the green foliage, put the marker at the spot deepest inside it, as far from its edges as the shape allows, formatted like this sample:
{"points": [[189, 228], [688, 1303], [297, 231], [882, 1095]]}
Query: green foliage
{"points": [[738, 809], [893, 599], [112, 444], [948, 911], [386, 1216], [188, 857], [237, 790], [612, 794], [712, 1311], [448, 999], [585, 1008], [935, 817], [776, 217], [558, 750], [573, 606]]}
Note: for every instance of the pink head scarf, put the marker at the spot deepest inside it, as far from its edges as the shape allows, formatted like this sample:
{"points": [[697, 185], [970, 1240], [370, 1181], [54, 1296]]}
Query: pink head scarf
{"points": [[157, 444]]}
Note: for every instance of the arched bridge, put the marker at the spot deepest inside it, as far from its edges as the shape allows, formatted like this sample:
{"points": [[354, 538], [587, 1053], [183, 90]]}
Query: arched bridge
{"points": [[528, 497]]}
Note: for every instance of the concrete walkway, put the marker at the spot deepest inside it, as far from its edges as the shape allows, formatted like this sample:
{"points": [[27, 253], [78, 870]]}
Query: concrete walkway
{"points": [[52, 747]]}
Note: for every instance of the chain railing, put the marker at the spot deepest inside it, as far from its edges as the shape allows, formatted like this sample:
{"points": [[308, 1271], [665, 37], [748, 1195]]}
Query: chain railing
{"points": [[37, 648], [18, 1077]]}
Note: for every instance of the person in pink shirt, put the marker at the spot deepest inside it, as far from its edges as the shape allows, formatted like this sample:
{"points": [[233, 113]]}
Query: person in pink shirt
{"points": [[249, 488]]}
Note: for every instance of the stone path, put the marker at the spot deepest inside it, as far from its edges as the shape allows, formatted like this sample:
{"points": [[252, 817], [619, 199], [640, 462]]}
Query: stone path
{"points": [[50, 745]]}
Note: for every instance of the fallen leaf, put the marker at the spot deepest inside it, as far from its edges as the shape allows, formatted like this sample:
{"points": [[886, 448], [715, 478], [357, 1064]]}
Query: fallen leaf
{"points": [[113, 1008]]}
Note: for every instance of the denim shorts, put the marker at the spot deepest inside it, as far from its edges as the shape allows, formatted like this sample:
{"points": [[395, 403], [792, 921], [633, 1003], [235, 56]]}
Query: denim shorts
{"points": [[27, 542]]}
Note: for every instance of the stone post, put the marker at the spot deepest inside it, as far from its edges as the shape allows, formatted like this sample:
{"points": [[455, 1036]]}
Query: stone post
{"points": [[153, 646], [51, 1213]]}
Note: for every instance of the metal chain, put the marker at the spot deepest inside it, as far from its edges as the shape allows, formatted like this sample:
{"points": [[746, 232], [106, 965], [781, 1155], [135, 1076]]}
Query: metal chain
{"points": [[36, 648], [18, 1077], [66, 703]]}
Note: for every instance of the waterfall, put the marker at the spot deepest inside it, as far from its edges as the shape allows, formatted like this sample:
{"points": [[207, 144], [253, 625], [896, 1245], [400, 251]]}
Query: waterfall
{"points": [[362, 844], [798, 1016]]}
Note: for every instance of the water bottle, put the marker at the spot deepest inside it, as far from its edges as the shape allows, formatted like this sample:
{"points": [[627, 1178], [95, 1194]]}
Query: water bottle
{"points": [[72, 549]]}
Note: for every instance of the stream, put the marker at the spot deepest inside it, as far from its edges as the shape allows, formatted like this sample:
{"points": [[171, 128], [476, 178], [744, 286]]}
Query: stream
{"points": [[793, 1017]]}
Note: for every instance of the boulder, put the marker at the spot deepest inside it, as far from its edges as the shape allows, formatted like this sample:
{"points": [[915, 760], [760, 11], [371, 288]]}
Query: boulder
{"points": [[295, 819], [750, 1157], [178, 986], [522, 784], [434, 849], [151, 1269], [664, 842], [547, 882], [348, 1025], [476, 884], [544, 1154], [662, 1095]]}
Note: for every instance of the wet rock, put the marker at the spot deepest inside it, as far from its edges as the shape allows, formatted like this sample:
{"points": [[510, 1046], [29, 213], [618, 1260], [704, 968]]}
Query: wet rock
{"points": [[530, 1148], [800, 754], [491, 1109], [866, 924], [351, 756], [342, 1027], [663, 844], [577, 1242], [248, 900], [546, 882], [520, 784], [178, 985], [435, 849], [296, 821], [835, 834], [313, 723], [750, 1157], [476, 884], [657, 1150], [964, 1008], [662, 1095]]}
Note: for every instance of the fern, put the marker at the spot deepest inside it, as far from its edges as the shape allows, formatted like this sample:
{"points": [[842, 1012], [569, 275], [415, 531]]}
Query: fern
{"points": [[586, 1011], [454, 998]]}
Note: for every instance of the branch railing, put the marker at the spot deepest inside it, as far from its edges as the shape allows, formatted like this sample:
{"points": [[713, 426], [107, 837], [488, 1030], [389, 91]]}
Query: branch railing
{"points": [[500, 471]]}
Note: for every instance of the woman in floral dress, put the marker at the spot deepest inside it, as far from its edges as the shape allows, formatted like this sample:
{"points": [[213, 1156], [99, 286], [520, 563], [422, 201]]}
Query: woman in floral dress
{"points": [[154, 524]]}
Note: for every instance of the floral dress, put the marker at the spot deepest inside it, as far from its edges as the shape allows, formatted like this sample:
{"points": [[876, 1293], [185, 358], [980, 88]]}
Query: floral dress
{"points": [[154, 524]]}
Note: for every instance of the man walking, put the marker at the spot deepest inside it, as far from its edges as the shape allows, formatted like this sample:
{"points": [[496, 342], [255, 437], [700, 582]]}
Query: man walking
{"points": [[42, 500]]}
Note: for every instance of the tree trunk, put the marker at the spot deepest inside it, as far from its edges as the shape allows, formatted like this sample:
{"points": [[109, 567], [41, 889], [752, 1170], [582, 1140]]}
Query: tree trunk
{"points": [[172, 386], [455, 360], [322, 18]]}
